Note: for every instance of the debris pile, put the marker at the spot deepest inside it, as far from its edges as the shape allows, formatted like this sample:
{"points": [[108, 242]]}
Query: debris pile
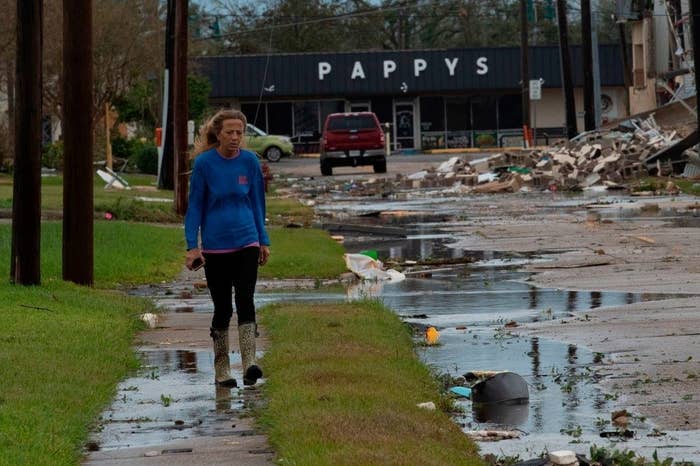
{"points": [[596, 158]]}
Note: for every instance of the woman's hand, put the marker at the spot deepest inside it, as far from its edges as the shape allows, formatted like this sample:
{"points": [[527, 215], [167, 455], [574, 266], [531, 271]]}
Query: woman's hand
{"points": [[192, 259], [264, 255]]}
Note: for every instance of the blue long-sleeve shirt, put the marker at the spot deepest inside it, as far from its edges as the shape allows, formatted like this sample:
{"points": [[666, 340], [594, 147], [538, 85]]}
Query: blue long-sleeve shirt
{"points": [[227, 202]]}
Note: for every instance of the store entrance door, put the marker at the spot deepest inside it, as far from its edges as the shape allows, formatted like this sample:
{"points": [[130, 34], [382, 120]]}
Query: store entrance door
{"points": [[404, 128]]}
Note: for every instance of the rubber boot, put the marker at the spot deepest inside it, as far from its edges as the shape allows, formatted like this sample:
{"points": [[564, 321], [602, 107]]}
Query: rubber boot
{"points": [[246, 342], [222, 368]]}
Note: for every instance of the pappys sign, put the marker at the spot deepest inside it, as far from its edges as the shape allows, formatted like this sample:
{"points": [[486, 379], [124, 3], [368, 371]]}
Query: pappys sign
{"points": [[365, 73], [397, 73]]}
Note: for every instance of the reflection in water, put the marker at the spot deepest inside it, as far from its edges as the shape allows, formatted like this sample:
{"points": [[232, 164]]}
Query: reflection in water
{"points": [[506, 414], [223, 399], [534, 294], [571, 301], [570, 385], [537, 415], [187, 361], [596, 299]]}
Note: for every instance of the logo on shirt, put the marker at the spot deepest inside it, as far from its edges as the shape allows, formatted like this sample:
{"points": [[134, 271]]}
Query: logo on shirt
{"points": [[242, 179]]}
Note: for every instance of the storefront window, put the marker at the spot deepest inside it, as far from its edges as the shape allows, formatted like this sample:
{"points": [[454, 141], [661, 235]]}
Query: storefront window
{"points": [[382, 107], [510, 112], [256, 114], [306, 118], [279, 118], [331, 106], [485, 112], [458, 134], [432, 122], [485, 119]]}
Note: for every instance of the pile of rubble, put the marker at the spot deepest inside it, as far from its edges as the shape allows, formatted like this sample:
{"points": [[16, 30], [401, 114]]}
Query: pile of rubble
{"points": [[596, 158]]}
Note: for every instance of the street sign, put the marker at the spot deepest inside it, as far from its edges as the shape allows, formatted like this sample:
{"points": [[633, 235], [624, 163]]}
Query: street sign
{"points": [[535, 89]]}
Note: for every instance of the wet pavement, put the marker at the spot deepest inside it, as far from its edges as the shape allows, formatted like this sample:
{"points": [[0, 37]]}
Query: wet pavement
{"points": [[172, 396]]}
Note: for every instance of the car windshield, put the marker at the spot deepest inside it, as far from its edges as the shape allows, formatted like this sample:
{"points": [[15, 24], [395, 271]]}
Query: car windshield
{"points": [[351, 123], [255, 131]]}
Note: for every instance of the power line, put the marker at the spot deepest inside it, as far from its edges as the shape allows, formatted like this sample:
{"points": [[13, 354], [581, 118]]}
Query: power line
{"points": [[342, 16]]}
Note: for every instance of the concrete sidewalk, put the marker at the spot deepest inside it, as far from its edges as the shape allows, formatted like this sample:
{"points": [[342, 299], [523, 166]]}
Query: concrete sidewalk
{"points": [[224, 433]]}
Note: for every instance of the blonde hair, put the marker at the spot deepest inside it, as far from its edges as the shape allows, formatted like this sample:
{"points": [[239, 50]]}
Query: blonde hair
{"points": [[207, 137]]}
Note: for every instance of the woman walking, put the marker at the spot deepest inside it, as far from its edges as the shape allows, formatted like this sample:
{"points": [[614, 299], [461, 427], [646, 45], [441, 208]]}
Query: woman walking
{"points": [[227, 210]]}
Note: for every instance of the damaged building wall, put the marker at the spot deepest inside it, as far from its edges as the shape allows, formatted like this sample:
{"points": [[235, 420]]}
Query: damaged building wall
{"points": [[643, 90], [548, 112]]}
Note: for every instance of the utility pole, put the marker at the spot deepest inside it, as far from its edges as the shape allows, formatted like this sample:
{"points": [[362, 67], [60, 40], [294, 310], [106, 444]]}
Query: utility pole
{"points": [[10, 68], [78, 138], [165, 177], [695, 25], [587, 49], [26, 191], [566, 79], [525, 73], [626, 69], [108, 143], [180, 107]]}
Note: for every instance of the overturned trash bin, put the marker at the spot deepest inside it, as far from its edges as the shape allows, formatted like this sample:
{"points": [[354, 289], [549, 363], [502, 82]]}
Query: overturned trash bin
{"points": [[499, 397], [497, 387]]}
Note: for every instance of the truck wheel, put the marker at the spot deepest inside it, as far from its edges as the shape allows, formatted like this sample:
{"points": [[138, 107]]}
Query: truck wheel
{"points": [[326, 168], [380, 167]]}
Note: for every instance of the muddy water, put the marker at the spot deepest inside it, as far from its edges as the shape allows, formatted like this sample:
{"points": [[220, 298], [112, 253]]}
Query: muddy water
{"points": [[172, 397]]}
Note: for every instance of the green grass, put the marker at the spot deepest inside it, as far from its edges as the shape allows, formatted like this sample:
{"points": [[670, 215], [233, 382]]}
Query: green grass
{"points": [[282, 211], [52, 191], [303, 253], [342, 388], [652, 183], [124, 253], [140, 204], [64, 348]]}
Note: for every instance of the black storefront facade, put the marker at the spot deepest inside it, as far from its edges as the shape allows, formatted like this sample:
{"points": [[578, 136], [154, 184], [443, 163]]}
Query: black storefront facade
{"points": [[451, 98]]}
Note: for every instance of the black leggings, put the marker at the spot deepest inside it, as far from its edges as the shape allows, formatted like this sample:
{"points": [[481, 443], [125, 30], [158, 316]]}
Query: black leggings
{"points": [[232, 271]]}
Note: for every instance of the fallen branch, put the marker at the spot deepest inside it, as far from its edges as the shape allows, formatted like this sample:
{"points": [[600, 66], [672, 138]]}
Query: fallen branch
{"points": [[38, 308]]}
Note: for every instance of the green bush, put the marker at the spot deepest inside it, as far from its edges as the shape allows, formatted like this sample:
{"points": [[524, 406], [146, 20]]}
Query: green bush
{"points": [[147, 158], [122, 147], [52, 155]]}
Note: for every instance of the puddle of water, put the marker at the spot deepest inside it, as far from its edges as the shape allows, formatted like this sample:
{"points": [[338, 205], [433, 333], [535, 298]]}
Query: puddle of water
{"points": [[171, 397], [480, 297]]}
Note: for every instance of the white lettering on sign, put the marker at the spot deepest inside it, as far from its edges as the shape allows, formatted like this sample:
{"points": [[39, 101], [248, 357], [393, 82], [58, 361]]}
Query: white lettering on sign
{"points": [[389, 67], [323, 69], [357, 71], [481, 66], [419, 65], [451, 65]]}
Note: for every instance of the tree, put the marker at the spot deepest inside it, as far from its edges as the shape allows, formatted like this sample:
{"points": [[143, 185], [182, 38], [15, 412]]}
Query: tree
{"points": [[7, 81], [128, 38], [309, 26], [198, 90]]}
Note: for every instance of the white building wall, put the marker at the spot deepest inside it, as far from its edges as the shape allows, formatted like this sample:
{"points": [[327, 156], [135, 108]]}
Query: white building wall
{"points": [[551, 112]]}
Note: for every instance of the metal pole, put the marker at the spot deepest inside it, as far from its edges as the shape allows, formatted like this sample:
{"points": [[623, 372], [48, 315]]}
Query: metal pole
{"points": [[587, 49], [626, 69], [78, 142], [180, 107], [524, 72], [566, 79], [596, 64], [165, 177], [695, 25], [26, 204]]}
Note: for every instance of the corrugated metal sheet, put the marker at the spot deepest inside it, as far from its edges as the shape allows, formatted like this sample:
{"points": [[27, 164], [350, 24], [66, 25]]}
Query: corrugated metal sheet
{"points": [[482, 69]]}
